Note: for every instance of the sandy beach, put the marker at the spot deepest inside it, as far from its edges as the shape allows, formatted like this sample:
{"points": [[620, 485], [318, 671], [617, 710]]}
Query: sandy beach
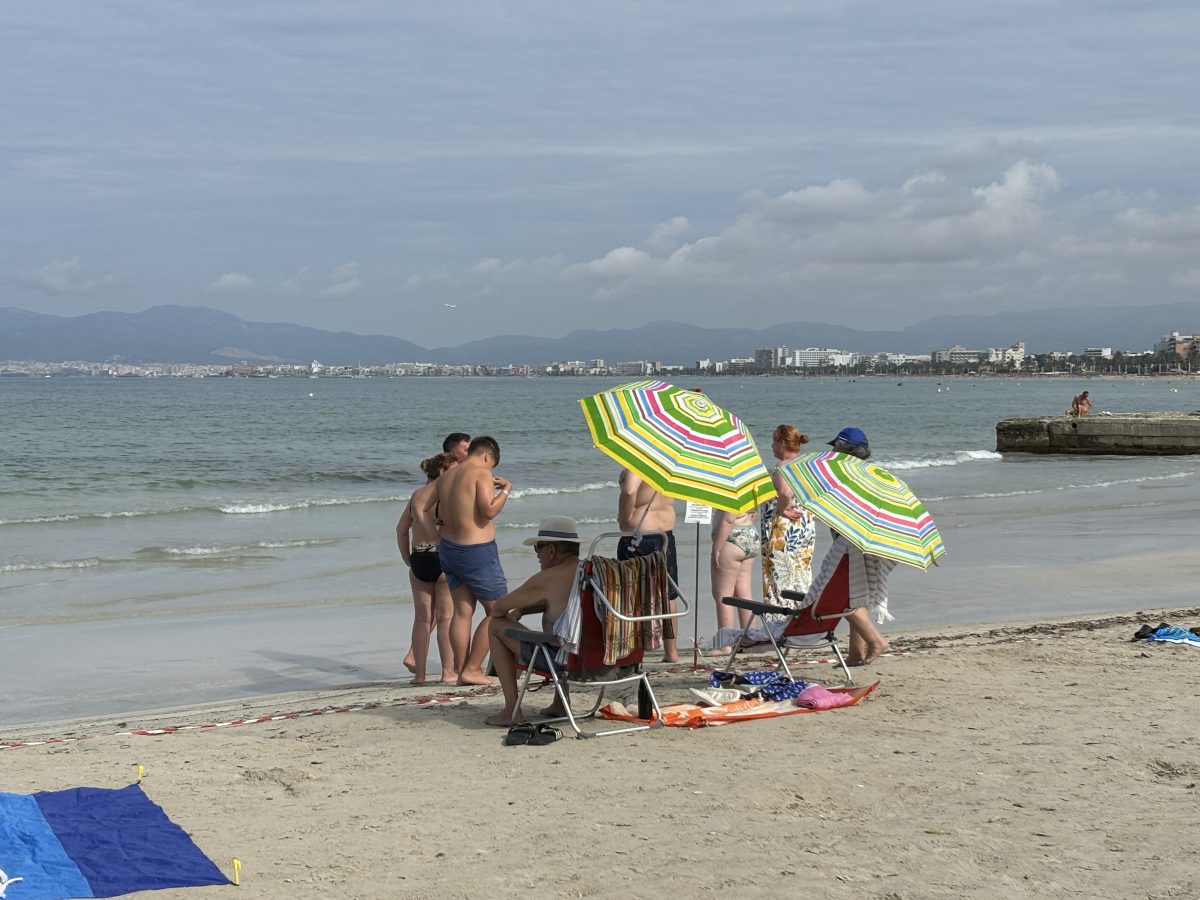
{"points": [[1038, 760]]}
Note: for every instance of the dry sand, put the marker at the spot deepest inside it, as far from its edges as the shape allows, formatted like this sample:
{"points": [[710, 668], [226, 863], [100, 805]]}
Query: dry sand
{"points": [[1053, 760]]}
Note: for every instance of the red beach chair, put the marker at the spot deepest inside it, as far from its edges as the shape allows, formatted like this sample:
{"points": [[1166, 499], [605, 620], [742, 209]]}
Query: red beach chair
{"points": [[602, 613], [818, 619]]}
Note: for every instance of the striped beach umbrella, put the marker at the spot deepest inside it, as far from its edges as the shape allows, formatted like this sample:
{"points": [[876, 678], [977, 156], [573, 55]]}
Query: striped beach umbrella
{"points": [[681, 442], [870, 506]]}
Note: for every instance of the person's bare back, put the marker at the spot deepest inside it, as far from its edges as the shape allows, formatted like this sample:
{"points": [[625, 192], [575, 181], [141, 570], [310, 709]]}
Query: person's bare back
{"points": [[641, 508], [468, 497]]}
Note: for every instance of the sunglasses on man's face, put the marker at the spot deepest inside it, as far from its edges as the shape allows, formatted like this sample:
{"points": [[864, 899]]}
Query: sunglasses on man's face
{"points": [[538, 548]]}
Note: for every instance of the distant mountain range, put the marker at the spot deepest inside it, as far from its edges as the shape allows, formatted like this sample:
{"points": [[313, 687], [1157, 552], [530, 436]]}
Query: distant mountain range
{"points": [[197, 335]]}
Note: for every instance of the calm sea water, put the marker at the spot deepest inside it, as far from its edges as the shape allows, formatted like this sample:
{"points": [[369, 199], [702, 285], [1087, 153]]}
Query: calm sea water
{"points": [[167, 504]]}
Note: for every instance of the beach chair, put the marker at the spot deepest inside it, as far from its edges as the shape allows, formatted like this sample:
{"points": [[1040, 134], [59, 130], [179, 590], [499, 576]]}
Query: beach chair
{"points": [[815, 622], [611, 620]]}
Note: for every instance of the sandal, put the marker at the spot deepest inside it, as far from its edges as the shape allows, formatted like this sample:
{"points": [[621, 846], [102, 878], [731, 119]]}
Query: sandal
{"points": [[522, 733], [543, 735]]}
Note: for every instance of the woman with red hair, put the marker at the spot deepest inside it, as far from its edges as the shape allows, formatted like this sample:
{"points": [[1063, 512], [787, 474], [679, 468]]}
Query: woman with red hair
{"points": [[788, 531]]}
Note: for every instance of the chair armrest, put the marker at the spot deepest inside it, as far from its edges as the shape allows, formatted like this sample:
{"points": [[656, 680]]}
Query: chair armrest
{"points": [[534, 637], [756, 607], [793, 595]]}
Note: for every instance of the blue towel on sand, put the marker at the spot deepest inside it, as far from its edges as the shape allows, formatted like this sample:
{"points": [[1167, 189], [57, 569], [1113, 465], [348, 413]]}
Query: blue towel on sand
{"points": [[1173, 634], [94, 842]]}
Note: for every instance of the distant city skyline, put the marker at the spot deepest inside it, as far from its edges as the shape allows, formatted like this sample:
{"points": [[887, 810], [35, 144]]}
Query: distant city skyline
{"points": [[446, 173]]}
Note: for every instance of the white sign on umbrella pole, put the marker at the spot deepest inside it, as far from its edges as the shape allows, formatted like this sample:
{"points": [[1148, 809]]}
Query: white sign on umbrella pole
{"points": [[701, 515]]}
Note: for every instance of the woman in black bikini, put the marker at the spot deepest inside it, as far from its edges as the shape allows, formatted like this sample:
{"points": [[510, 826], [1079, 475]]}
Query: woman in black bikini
{"points": [[417, 539]]}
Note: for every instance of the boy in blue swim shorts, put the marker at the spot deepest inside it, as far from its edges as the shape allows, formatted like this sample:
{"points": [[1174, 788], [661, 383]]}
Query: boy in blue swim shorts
{"points": [[475, 565], [466, 498]]}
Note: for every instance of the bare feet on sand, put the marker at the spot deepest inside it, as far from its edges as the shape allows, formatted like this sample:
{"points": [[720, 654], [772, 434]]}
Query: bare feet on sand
{"points": [[474, 677], [671, 659], [410, 663], [874, 651], [449, 678], [502, 720], [417, 681], [718, 651], [553, 711]]}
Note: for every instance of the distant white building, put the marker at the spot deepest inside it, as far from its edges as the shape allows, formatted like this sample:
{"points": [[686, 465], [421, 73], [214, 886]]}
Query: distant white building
{"points": [[813, 357], [957, 355], [1098, 352], [902, 359], [635, 367], [1014, 355]]}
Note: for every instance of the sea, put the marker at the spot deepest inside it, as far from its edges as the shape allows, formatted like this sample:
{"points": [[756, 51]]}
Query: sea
{"points": [[174, 541]]}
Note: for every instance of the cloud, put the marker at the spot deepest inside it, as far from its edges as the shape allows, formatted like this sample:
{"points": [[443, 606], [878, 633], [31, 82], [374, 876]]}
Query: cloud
{"points": [[65, 277], [1189, 279], [934, 241], [343, 281], [231, 282], [666, 236], [619, 263]]}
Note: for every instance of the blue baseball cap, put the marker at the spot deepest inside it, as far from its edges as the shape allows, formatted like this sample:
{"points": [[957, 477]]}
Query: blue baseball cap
{"points": [[855, 437]]}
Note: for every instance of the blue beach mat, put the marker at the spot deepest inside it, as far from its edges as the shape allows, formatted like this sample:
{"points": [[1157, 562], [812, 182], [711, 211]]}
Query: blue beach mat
{"points": [[94, 842]]}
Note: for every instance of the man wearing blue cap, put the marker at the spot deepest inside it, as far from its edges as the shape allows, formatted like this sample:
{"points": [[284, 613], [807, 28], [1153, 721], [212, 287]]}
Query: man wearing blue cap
{"points": [[852, 441], [866, 643]]}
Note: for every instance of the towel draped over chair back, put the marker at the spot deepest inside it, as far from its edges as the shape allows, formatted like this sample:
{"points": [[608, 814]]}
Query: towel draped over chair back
{"points": [[635, 587]]}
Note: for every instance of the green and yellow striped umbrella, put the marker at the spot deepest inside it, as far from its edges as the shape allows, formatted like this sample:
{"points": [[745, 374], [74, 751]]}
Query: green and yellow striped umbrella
{"points": [[681, 442], [870, 506]]}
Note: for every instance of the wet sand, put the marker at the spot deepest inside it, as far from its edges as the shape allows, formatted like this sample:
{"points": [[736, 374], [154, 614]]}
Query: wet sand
{"points": [[1046, 759]]}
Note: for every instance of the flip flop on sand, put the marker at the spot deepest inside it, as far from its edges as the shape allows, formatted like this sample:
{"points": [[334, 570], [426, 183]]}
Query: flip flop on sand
{"points": [[522, 733], [544, 734]]}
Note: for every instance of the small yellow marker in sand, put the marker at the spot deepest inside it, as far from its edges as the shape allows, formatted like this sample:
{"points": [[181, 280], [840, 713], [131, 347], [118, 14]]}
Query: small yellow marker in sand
{"points": [[141, 771], [237, 871]]}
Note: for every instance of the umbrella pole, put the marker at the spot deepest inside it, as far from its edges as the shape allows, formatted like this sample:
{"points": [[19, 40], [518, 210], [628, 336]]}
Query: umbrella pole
{"points": [[696, 607]]}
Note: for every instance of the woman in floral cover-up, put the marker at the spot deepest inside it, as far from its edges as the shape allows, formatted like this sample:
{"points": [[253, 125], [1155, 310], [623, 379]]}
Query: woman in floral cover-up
{"points": [[788, 532]]}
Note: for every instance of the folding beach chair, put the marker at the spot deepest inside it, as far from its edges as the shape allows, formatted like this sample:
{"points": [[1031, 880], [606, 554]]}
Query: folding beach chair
{"points": [[818, 620], [613, 618]]}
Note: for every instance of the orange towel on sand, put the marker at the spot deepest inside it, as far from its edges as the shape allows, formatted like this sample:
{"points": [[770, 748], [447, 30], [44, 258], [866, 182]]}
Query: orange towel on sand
{"points": [[688, 715]]}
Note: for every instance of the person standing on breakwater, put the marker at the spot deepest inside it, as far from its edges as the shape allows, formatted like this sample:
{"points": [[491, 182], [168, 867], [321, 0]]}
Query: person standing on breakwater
{"points": [[1081, 405], [417, 538], [641, 508], [468, 497]]}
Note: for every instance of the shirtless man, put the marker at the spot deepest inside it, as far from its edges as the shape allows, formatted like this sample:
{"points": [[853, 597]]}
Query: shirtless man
{"points": [[1081, 405], [557, 547], [467, 498], [641, 508]]}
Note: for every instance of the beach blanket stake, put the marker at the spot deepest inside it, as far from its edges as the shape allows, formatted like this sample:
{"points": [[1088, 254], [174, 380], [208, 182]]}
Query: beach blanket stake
{"points": [[94, 842], [237, 872]]}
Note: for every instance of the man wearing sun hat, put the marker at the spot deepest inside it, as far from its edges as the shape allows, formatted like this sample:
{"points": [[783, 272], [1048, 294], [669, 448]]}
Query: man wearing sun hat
{"points": [[557, 547]]}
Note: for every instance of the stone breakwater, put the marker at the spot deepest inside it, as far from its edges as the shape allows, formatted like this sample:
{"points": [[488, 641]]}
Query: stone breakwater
{"points": [[1135, 434]]}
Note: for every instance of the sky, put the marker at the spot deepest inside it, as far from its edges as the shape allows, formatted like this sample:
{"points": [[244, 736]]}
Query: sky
{"points": [[446, 172]]}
